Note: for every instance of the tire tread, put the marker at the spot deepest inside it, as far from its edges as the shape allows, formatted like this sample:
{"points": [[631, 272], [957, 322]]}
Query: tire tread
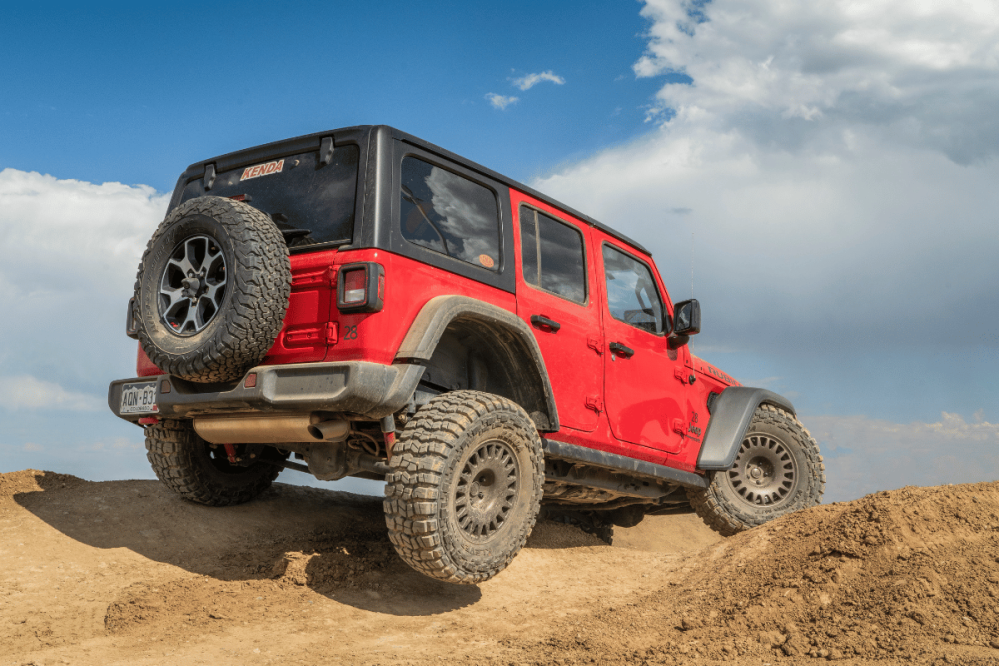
{"points": [[253, 311], [418, 467], [171, 448], [723, 516]]}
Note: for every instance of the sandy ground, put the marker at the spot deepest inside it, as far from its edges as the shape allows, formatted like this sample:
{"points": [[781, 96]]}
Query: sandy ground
{"points": [[125, 572]]}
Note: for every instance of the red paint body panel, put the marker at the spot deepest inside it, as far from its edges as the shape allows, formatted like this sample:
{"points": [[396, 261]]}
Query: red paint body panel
{"points": [[643, 396], [712, 375], [409, 284], [376, 336], [645, 401], [144, 367], [313, 289], [573, 353]]}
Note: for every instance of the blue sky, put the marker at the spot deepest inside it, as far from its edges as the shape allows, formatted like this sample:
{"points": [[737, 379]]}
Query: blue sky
{"points": [[828, 169], [127, 92]]}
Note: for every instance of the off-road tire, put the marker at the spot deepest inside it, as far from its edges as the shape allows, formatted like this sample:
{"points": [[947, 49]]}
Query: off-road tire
{"points": [[437, 463], [187, 465], [251, 313], [728, 511]]}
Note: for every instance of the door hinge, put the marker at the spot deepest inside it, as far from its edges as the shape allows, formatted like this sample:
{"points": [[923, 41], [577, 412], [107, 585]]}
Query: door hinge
{"points": [[331, 333], [684, 376], [594, 403], [594, 344], [678, 427], [331, 275]]}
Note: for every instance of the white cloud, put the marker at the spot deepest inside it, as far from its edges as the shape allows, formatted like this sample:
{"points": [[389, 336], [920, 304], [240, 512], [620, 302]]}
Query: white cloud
{"points": [[31, 447], [69, 251], [501, 101], [924, 73], [528, 81], [59, 234], [27, 392], [864, 455], [821, 168]]}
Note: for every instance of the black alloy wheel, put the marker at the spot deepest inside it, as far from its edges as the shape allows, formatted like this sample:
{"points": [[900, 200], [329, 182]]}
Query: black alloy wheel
{"points": [[764, 473], [486, 490]]}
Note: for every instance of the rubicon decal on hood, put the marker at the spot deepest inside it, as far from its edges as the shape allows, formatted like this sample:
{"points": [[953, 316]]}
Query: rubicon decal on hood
{"points": [[262, 170]]}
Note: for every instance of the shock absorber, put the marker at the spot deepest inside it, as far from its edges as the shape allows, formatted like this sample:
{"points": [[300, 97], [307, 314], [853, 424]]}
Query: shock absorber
{"points": [[388, 432]]}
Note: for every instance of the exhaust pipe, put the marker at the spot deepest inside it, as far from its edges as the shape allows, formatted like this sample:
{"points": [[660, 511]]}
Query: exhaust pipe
{"points": [[330, 431], [269, 429]]}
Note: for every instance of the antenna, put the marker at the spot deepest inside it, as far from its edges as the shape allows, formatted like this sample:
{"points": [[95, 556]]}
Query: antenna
{"points": [[691, 273], [691, 264]]}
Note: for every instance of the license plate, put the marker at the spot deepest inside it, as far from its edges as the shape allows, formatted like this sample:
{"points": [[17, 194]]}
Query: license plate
{"points": [[139, 398]]}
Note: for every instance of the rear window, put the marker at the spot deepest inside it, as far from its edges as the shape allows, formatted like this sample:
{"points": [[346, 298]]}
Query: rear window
{"points": [[310, 202], [552, 255], [450, 214]]}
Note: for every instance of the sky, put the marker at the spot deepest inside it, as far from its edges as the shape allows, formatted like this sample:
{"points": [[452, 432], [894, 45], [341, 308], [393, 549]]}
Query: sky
{"points": [[821, 176]]}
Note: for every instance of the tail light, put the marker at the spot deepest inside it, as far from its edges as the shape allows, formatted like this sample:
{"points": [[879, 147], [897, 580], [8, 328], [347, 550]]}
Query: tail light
{"points": [[361, 287]]}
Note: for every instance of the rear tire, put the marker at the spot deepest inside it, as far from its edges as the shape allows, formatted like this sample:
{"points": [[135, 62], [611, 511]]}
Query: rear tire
{"points": [[464, 486], [777, 471], [187, 465]]}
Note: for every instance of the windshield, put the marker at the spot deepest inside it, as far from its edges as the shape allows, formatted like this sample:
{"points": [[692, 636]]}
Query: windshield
{"points": [[310, 202]]}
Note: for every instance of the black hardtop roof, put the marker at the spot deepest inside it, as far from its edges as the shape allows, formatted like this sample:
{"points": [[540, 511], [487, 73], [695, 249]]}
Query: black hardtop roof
{"points": [[310, 141]]}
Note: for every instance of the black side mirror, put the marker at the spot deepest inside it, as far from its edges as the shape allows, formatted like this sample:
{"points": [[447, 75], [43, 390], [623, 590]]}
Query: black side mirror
{"points": [[687, 317]]}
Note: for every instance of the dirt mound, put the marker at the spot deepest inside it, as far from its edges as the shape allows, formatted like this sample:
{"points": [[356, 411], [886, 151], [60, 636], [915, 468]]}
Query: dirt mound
{"points": [[31, 480], [125, 572], [909, 575]]}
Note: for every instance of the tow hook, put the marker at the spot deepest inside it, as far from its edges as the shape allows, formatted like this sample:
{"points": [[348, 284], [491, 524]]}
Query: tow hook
{"points": [[230, 451]]}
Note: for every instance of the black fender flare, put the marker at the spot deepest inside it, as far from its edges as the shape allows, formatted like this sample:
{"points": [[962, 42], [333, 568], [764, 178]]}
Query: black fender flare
{"points": [[732, 411], [514, 340]]}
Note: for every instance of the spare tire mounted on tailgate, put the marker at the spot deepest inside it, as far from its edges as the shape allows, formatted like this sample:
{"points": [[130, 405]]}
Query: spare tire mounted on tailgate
{"points": [[212, 290]]}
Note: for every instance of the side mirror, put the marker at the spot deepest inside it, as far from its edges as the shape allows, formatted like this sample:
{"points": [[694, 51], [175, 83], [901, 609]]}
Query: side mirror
{"points": [[687, 318]]}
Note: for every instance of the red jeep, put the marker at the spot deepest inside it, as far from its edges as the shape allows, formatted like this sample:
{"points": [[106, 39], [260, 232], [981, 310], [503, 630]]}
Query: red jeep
{"points": [[382, 308]]}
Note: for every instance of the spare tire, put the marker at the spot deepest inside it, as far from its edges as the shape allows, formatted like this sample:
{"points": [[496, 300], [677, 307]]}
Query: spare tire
{"points": [[212, 290]]}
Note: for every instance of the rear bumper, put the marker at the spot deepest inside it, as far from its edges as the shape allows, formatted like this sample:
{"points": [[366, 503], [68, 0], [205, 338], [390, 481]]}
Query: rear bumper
{"points": [[372, 390]]}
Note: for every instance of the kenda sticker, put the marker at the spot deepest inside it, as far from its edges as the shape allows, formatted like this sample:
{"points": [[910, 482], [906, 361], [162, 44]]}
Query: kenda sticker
{"points": [[262, 170]]}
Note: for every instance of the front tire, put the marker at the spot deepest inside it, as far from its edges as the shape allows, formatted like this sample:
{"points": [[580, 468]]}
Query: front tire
{"points": [[464, 487], [777, 471], [187, 465]]}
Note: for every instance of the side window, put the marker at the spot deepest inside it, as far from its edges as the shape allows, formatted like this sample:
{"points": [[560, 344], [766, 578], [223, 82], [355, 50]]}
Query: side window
{"points": [[450, 214], [632, 296], [552, 255]]}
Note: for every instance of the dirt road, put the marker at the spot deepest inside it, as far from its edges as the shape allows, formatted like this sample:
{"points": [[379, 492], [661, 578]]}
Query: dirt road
{"points": [[125, 572]]}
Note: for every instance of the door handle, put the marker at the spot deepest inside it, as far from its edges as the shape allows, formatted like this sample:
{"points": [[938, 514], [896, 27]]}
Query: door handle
{"points": [[621, 350], [542, 321]]}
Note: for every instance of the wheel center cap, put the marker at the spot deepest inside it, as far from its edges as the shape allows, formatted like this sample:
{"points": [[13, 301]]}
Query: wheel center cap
{"points": [[194, 287], [756, 473]]}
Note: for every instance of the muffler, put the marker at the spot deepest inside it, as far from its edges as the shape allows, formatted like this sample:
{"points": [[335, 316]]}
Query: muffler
{"points": [[257, 429]]}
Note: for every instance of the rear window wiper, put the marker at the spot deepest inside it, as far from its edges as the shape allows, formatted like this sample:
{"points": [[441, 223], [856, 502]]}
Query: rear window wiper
{"points": [[407, 195], [289, 232]]}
